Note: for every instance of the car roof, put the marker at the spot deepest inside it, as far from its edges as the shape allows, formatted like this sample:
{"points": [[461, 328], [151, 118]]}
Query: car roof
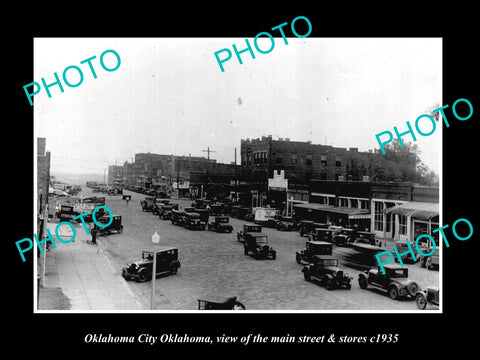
{"points": [[394, 267], [256, 234], [318, 242], [161, 248], [325, 257]]}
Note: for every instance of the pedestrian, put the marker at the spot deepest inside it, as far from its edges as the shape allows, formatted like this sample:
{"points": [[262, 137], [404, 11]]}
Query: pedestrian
{"points": [[94, 235]]}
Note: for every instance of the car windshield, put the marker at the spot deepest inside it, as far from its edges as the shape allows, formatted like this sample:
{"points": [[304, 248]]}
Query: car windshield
{"points": [[330, 262], [261, 240], [398, 273], [223, 220]]}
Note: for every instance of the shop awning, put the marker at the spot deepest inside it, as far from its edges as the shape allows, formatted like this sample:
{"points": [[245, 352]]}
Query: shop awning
{"points": [[418, 210], [351, 212]]}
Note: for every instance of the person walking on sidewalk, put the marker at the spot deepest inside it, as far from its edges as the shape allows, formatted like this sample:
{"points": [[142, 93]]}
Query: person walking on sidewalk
{"points": [[94, 235]]}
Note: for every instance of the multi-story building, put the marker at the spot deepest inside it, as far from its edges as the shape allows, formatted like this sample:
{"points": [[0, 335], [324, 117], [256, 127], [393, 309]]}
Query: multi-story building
{"points": [[297, 161]]}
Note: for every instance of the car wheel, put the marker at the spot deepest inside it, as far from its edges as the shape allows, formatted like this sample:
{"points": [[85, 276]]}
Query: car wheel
{"points": [[144, 276], [298, 258], [306, 276], [237, 305], [120, 229], [329, 284], [362, 282], [245, 250], [412, 288], [174, 270], [421, 301], [348, 285], [273, 255], [393, 292]]}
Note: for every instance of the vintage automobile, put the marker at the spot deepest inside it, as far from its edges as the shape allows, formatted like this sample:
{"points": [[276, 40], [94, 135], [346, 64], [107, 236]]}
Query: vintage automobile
{"points": [[429, 296], [201, 203], [313, 248], [204, 214], [307, 226], [242, 213], [148, 203], [319, 234], [247, 228], [402, 247], [432, 261], [177, 217], [115, 191], [193, 221], [286, 223], [167, 263], [347, 236], [217, 209], [116, 225], [257, 244], [220, 224], [395, 281], [165, 212], [216, 302], [325, 269]]}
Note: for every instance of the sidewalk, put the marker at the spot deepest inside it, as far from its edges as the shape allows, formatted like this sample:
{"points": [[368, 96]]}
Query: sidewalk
{"points": [[85, 276]]}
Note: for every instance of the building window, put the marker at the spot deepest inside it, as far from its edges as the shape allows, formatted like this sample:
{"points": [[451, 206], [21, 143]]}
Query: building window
{"points": [[338, 161], [402, 224], [378, 218], [279, 158], [323, 160], [354, 203], [343, 202], [365, 204], [294, 159], [308, 160]]}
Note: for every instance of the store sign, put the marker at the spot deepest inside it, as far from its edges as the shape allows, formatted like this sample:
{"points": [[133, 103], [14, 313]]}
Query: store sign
{"points": [[359, 216], [278, 181]]}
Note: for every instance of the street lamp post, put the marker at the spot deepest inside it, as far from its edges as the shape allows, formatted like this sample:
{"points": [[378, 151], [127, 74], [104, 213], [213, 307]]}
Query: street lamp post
{"points": [[155, 241]]}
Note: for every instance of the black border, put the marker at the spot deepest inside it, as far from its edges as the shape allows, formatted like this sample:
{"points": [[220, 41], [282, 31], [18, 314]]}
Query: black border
{"points": [[56, 332]]}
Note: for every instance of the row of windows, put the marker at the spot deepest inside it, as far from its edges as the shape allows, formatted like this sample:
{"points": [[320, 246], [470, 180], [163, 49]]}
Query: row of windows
{"points": [[261, 157]]}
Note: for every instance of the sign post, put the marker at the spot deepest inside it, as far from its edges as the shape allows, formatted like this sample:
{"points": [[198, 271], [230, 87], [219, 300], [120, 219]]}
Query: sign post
{"points": [[155, 241]]}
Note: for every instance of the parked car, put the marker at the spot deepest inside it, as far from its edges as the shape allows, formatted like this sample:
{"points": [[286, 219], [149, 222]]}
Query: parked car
{"points": [[148, 203], [220, 224], [193, 222], [217, 209], [215, 302], [402, 247], [242, 213], [432, 261], [165, 212], [177, 217], [167, 263], [320, 234], [395, 281], [313, 248], [348, 236], [325, 269], [257, 244], [307, 226], [286, 223], [429, 296], [247, 228], [204, 215], [116, 225], [201, 203]]}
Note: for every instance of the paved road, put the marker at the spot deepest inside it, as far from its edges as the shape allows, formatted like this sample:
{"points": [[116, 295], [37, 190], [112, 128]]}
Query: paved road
{"points": [[215, 263]]}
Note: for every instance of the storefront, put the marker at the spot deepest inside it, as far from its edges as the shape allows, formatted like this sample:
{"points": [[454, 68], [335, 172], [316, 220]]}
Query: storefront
{"points": [[334, 215], [412, 219]]}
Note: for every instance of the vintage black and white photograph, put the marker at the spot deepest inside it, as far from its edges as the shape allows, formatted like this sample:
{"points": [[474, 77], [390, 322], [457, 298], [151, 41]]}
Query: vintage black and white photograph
{"points": [[207, 174]]}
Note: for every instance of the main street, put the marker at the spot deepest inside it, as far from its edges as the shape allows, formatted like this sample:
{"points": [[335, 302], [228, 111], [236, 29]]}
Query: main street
{"points": [[215, 263]]}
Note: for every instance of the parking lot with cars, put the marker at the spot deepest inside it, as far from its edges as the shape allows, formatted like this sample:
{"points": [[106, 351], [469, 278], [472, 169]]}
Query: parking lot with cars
{"points": [[215, 263]]}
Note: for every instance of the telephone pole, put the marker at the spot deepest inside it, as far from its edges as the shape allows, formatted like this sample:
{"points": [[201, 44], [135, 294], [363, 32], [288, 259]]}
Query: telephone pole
{"points": [[208, 151]]}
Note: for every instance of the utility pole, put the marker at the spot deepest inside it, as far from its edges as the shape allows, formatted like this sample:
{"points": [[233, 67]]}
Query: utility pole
{"points": [[236, 180], [208, 151]]}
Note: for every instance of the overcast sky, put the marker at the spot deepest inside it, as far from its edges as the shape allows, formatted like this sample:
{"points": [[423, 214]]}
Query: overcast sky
{"points": [[169, 96]]}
